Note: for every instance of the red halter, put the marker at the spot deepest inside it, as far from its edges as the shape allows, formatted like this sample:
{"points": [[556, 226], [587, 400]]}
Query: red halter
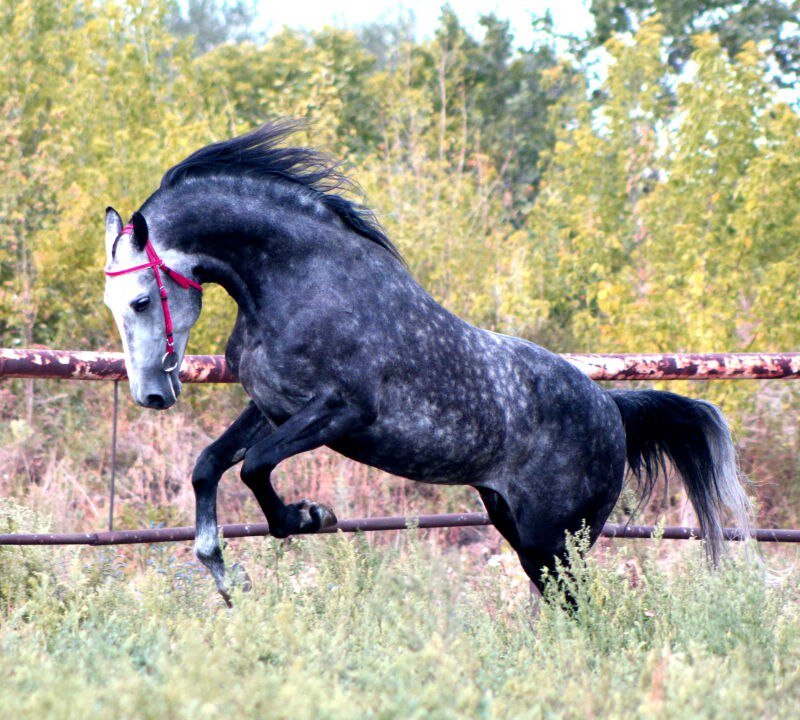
{"points": [[170, 361]]}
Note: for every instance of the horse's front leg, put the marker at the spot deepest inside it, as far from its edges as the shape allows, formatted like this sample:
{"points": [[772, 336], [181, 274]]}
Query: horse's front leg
{"points": [[322, 421], [222, 454]]}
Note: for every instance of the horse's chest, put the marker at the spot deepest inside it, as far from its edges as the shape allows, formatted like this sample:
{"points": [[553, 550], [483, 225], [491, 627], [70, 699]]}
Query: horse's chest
{"points": [[272, 383]]}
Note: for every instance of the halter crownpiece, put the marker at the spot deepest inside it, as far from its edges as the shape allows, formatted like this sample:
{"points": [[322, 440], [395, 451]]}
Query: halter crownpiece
{"points": [[170, 360]]}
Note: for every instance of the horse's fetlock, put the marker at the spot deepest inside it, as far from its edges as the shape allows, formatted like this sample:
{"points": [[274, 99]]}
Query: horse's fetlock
{"points": [[207, 551]]}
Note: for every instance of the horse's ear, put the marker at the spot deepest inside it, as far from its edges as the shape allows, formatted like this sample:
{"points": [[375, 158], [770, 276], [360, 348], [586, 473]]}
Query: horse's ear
{"points": [[113, 229], [140, 231]]}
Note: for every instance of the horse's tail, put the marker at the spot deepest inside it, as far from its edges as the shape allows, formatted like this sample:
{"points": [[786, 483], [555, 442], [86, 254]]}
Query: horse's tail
{"points": [[694, 436]]}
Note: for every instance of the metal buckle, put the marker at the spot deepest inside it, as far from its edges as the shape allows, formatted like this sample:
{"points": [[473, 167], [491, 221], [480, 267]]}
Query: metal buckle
{"points": [[169, 362]]}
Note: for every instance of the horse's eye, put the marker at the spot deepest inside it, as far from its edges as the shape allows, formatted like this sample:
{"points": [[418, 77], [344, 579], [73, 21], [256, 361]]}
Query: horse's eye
{"points": [[141, 304]]}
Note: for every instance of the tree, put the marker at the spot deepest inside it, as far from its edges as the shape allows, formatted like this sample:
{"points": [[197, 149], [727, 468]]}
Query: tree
{"points": [[210, 23], [322, 77], [492, 102], [734, 23], [648, 231], [98, 103]]}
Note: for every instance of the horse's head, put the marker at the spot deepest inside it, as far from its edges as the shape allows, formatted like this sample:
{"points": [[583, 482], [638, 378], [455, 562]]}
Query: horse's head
{"points": [[154, 329]]}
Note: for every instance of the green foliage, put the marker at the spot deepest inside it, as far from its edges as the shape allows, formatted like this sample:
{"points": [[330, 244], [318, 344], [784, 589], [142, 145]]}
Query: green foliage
{"points": [[210, 23], [659, 218], [736, 24], [653, 222], [646, 222], [97, 108], [424, 114], [21, 568], [336, 629]]}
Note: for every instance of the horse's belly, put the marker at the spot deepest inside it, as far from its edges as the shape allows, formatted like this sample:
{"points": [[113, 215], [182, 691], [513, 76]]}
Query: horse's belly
{"points": [[411, 465], [418, 449]]}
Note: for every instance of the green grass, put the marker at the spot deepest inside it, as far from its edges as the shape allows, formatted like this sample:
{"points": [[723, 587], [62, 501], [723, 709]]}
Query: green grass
{"points": [[335, 628]]}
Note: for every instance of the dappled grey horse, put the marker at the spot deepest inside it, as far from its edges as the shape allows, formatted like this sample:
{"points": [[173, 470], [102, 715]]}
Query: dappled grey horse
{"points": [[337, 345]]}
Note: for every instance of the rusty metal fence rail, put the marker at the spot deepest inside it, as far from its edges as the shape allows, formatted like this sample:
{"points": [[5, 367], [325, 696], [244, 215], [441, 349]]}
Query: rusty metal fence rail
{"points": [[373, 524], [69, 365]]}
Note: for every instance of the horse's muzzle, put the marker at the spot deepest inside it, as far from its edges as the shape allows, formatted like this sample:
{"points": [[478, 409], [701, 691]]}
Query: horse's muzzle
{"points": [[156, 401], [162, 394]]}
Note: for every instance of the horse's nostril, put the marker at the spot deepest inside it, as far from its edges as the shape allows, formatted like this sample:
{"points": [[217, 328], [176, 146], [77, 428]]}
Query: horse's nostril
{"points": [[156, 401]]}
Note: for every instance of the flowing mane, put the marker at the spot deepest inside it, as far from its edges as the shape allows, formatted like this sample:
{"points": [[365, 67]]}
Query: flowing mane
{"points": [[258, 154]]}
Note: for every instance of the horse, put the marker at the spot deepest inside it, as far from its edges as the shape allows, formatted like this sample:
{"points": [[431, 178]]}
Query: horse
{"points": [[336, 344]]}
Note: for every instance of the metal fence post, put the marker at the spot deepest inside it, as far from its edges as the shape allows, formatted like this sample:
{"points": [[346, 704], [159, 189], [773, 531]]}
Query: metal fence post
{"points": [[113, 457]]}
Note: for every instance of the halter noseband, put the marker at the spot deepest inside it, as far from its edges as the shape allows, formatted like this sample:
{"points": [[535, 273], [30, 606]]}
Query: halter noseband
{"points": [[170, 360]]}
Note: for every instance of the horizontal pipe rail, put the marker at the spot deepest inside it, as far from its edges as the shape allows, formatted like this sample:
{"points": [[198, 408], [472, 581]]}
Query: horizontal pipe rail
{"points": [[74, 365], [394, 522], [83, 365], [689, 366]]}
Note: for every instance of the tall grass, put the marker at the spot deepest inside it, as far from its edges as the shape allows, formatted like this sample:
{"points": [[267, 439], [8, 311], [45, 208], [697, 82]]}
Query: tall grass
{"points": [[335, 628], [391, 625]]}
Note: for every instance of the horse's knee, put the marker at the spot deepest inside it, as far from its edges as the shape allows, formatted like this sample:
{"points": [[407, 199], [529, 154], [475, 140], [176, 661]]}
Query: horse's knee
{"points": [[253, 472], [206, 469]]}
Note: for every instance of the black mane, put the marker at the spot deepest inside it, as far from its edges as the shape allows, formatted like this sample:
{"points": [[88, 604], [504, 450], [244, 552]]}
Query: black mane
{"points": [[257, 154]]}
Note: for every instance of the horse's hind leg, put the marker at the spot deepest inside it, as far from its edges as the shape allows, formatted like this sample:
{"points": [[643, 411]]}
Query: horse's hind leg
{"points": [[539, 544], [500, 515], [502, 518]]}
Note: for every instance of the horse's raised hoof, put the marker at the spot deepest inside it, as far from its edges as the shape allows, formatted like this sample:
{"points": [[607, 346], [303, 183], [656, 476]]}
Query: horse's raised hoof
{"points": [[322, 515], [303, 517]]}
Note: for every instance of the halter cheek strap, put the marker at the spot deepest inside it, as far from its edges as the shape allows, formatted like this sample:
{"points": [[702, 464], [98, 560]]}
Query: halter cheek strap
{"points": [[170, 360]]}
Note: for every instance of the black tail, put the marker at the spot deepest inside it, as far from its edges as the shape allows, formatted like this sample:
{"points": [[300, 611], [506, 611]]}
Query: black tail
{"points": [[694, 436]]}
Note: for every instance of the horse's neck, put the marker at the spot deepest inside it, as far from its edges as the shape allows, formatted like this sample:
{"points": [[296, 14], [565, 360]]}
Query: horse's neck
{"points": [[236, 237]]}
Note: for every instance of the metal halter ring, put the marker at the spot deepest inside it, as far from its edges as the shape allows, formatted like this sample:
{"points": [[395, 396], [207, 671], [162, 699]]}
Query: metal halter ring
{"points": [[169, 362]]}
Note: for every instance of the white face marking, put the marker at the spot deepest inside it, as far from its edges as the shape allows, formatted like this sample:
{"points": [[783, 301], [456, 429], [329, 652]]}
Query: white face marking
{"points": [[134, 301]]}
